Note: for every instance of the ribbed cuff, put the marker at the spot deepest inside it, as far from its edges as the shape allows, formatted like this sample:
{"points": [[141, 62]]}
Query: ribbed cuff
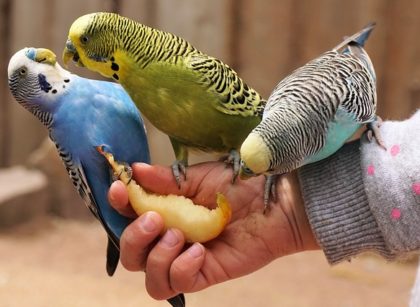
{"points": [[337, 206]]}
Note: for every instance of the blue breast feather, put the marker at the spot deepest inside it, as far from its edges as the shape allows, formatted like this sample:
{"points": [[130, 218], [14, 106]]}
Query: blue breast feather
{"points": [[339, 131], [97, 113]]}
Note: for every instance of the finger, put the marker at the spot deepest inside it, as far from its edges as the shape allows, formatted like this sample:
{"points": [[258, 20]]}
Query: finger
{"points": [[136, 239], [185, 273], [160, 179], [118, 198], [159, 263], [156, 178]]}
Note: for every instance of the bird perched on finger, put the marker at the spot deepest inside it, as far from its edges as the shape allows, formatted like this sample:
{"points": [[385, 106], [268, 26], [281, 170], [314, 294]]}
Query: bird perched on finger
{"points": [[314, 111], [197, 100], [81, 114]]}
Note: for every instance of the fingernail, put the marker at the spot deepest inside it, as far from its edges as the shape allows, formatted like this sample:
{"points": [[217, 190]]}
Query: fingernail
{"points": [[147, 222], [196, 250], [169, 239]]}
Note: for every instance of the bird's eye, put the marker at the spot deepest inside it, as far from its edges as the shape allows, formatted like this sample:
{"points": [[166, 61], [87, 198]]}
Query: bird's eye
{"points": [[84, 39], [23, 71], [247, 170]]}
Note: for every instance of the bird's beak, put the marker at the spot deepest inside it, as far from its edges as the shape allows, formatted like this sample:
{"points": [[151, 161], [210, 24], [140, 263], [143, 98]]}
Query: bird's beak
{"points": [[45, 56], [70, 53]]}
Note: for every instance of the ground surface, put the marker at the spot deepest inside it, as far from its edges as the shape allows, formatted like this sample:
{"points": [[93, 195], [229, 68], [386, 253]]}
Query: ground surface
{"points": [[59, 263]]}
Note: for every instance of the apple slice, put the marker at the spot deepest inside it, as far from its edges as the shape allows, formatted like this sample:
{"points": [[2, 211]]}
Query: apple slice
{"points": [[198, 223]]}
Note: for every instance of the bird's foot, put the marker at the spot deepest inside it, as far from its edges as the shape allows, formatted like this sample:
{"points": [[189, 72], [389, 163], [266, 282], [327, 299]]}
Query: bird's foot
{"points": [[178, 168], [127, 169], [270, 192], [234, 159], [374, 132]]}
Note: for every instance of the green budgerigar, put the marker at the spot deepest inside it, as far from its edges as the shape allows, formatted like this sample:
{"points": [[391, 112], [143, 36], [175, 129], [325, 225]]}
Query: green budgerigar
{"points": [[197, 100]]}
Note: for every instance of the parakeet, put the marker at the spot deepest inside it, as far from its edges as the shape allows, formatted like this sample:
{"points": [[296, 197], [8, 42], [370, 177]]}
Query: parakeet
{"points": [[197, 100], [312, 112], [80, 114]]}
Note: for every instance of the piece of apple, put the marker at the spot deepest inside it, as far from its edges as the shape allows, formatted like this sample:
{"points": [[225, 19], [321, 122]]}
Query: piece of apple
{"points": [[198, 223]]}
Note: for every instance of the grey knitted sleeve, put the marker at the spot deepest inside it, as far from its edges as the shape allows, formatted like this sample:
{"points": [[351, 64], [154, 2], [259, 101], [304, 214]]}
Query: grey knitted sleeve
{"points": [[364, 198]]}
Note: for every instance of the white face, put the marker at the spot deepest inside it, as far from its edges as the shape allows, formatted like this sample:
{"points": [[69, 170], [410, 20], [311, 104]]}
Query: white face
{"points": [[33, 76]]}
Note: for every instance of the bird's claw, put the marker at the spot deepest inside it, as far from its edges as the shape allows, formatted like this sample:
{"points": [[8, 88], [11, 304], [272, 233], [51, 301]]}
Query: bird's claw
{"points": [[374, 132], [270, 192], [234, 159], [178, 168], [127, 169]]}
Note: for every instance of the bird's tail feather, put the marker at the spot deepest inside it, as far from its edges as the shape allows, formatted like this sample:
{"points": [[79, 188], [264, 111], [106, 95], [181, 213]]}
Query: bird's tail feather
{"points": [[359, 37], [112, 257], [177, 301]]}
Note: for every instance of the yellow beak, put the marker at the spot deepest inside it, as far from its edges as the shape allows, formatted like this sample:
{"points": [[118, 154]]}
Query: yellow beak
{"points": [[70, 53]]}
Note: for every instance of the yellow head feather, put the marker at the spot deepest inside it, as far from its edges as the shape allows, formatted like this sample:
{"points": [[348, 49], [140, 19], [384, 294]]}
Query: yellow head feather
{"points": [[78, 44], [80, 25]]}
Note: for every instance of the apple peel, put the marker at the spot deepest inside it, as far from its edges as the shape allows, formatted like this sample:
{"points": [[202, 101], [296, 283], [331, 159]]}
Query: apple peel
{"points": [[198, 223]]}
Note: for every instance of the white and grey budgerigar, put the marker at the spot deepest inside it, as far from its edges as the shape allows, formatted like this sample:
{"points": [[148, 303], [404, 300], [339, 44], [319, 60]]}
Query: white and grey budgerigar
{"points": [[314, 111]]}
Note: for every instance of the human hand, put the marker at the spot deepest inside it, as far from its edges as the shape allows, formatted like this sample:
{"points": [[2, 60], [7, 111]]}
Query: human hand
{"points": [[250, 241]]}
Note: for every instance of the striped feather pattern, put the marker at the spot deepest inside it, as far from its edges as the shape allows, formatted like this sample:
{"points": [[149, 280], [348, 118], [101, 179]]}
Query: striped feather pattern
{"points": [[147, 45], [236, 97], [78, 178], [26, 90], [298, 112]]}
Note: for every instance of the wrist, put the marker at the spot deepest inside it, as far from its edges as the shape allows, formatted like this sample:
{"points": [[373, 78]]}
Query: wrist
{"points": [[292, 204]]}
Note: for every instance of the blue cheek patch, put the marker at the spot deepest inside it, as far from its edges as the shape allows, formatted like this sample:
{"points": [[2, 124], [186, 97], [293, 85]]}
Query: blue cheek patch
{"points": [[30, 53]]}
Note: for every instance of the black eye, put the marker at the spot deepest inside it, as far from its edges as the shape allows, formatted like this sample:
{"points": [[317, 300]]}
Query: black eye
{"points": [[23, 71], [84, 39]]}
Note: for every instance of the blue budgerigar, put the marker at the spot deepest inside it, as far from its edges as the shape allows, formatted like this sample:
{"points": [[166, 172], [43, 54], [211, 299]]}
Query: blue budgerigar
{"points": [[81, 114], [314, 111]]}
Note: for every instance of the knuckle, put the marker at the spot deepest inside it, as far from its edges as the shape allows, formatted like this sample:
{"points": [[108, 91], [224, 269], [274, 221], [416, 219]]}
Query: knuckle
{"points": [[131, 265], [157, 292]]}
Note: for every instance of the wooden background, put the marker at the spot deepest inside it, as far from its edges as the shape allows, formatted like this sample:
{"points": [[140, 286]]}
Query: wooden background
{"points": [[263, 40]]}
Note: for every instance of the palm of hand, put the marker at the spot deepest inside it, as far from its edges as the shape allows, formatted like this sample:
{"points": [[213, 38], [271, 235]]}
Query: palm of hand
{"points": [[251, 239]]}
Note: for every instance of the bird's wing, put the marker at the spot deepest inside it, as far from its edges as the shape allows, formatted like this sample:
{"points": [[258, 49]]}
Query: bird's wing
{"points": [[334, 78], [80, 182], [361, 100], [78, 177], [234, 95]]}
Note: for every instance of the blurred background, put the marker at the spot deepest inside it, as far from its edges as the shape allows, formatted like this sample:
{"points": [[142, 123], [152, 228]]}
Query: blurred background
{"points": [[52, 254]]}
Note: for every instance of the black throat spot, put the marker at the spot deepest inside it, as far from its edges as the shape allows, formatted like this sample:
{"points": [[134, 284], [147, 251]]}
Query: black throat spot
{"points": [[43, 83], [114, 66]]}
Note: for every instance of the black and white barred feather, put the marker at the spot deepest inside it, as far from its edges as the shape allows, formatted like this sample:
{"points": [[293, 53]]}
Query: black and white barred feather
{"points": [[78, 178], [311, 97]]}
